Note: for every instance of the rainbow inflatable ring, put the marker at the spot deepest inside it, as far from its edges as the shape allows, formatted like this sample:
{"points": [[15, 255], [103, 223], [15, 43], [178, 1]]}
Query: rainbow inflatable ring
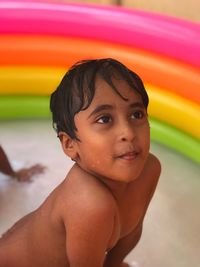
{"points": [[39, 40]]}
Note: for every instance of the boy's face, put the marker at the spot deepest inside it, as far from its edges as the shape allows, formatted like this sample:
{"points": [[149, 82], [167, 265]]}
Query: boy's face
{"points": [[114, 133]]}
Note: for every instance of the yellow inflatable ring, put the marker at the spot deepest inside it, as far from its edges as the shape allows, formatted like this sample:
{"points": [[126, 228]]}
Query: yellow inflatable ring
{"points": [[29, 80], [174, 110]]}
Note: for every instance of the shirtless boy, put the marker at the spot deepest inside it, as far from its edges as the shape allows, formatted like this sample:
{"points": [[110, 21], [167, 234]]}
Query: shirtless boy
{"points": [[94, 217]]}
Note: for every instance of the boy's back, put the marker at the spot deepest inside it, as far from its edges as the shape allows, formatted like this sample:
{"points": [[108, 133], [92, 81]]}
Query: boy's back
{"points": [[36, 240]]}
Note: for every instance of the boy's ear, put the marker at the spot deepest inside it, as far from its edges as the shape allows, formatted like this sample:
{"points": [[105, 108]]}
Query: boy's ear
{"points": [[68, 145]]}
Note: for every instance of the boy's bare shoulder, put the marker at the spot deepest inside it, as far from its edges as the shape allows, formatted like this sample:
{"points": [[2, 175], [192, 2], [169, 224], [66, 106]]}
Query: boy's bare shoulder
{"points": [[142, 190], [151, 173], [153, 166], [148, 179], [85, 194]]}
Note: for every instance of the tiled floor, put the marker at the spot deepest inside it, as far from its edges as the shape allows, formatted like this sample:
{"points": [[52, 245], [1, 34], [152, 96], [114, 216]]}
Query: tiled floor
{"points": [[171, 231]]}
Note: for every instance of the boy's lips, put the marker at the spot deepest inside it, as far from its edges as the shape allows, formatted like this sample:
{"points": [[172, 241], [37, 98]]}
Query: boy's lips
{"points": [[130, 155]]}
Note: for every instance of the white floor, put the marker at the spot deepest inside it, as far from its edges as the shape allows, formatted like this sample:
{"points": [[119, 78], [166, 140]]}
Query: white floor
{"points": [[171, 236]]}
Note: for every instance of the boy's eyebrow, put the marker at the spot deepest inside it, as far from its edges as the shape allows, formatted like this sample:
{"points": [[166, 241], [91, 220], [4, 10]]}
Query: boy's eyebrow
{"points": [[101, 108], [104, 107], [137, 105]]}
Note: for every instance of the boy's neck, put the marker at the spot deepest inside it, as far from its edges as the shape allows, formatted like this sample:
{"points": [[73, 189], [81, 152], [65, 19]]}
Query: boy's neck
{"points": [[116, 188]]}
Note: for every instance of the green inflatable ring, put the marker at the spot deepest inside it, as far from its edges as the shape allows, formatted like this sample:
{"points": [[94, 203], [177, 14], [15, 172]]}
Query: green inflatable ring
{"points": [[21, 107], [175, 139], [28, 107]]}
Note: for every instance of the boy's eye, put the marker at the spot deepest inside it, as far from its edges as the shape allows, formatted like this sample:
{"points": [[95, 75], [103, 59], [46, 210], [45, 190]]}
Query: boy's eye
{"points": [[104, 119], [139, 114]]}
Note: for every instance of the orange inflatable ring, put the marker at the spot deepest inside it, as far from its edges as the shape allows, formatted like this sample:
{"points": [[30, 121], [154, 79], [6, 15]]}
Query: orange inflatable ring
{"points": [[49, 51]]}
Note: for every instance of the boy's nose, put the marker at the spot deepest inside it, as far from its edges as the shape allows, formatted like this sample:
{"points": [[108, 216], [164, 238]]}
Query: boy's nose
{"points": [[127, 132]]}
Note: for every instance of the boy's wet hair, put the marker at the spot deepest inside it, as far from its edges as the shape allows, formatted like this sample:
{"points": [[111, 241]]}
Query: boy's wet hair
{"points": [[77, 89]]}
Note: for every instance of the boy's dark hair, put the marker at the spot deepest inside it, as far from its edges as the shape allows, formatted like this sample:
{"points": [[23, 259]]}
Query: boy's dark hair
{"points": [[77, 89]]}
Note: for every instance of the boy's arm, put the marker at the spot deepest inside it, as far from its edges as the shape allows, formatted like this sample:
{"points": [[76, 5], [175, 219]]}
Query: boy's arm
{"points": [[88, 231], [115, 256]]}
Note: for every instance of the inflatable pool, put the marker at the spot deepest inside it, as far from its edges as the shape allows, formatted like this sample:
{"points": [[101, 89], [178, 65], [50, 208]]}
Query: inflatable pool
{"points": [[38, 42]]}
